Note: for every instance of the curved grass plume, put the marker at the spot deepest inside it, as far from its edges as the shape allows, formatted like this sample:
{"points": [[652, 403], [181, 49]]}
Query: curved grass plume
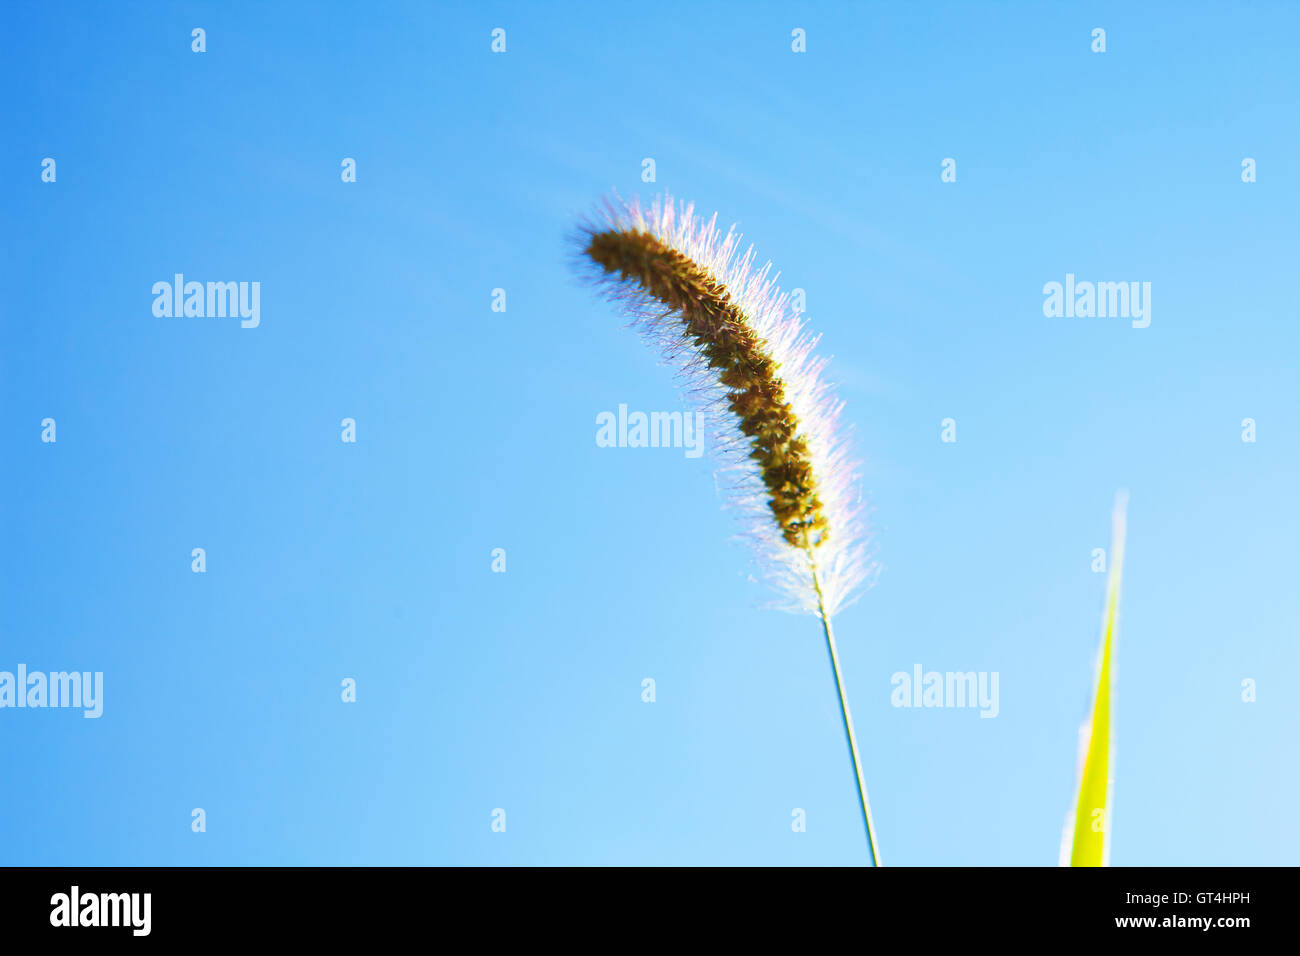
{"points": [[1086, 840], [748, 363]]}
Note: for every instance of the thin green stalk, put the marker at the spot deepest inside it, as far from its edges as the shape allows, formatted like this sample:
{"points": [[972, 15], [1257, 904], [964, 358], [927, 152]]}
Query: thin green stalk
{"points": [[848, 723]]}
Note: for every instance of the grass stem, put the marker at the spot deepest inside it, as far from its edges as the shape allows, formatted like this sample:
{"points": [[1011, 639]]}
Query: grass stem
{"points": [[848, 724]]}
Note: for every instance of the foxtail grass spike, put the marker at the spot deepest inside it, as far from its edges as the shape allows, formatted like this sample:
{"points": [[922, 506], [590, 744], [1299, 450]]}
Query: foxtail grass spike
{"points": [[1086, 840], [747, 362]]}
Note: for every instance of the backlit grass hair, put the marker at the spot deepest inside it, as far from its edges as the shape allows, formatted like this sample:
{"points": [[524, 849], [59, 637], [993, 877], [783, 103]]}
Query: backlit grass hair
{"points": [[747, 362]]}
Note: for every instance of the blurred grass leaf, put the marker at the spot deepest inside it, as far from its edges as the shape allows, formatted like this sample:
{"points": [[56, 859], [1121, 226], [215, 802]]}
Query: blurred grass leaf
{"points": [[1086, 840]]}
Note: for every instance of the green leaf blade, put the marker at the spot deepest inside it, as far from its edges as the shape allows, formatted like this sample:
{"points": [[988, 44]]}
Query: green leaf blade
{"points": [[1087, 833]]}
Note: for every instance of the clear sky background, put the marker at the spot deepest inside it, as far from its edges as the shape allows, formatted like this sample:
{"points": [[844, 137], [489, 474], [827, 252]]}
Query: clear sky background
{"points": [[476, 430]]}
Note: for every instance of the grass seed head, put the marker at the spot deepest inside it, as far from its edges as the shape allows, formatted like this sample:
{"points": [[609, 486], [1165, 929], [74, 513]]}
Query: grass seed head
{"points": [[749, 364]]}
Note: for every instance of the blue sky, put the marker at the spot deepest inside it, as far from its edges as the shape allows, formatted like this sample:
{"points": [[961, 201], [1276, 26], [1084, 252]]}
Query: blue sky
{"points": [[476, 430]]}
